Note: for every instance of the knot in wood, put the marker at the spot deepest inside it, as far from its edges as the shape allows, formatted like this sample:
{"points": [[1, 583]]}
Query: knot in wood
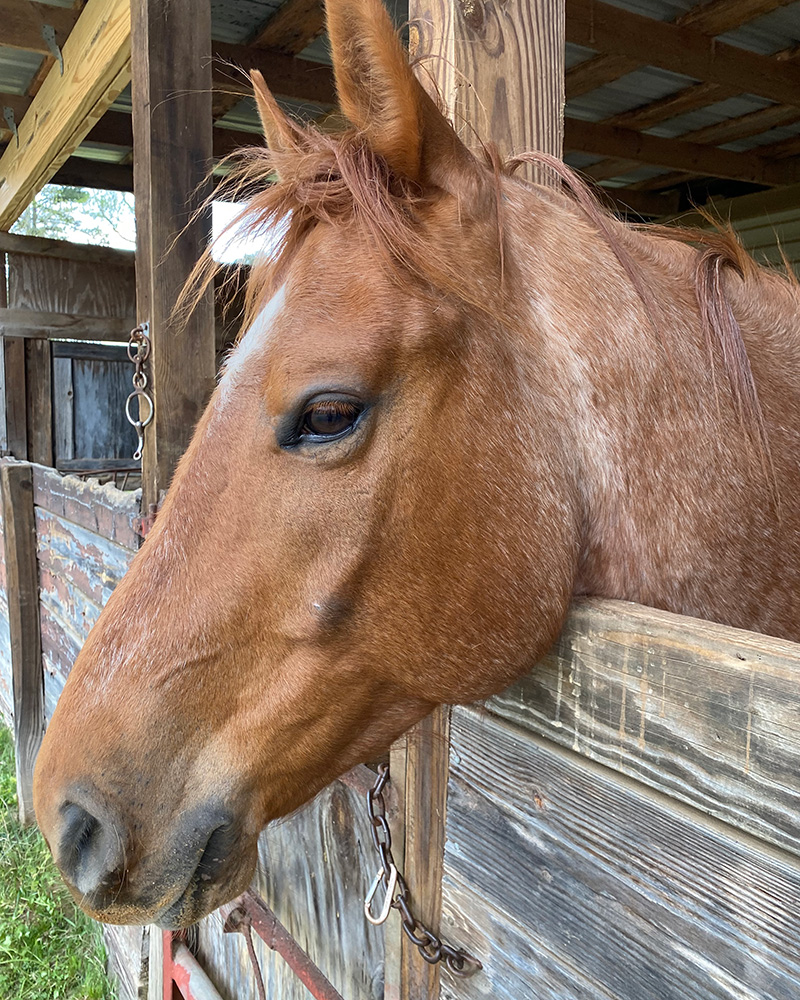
{"points": [[473, 13]]}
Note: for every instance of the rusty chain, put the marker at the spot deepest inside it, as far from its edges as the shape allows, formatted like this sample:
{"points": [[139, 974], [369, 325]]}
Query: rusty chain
{"points": [[396, 892], [139, 352]]}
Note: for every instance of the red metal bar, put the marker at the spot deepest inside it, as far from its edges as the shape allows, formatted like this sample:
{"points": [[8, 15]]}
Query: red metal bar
{"points": [[275, 936], [184, 972]]}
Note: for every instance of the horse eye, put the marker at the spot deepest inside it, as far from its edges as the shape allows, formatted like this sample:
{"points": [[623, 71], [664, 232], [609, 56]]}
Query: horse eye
{"points": [[329, 418]]}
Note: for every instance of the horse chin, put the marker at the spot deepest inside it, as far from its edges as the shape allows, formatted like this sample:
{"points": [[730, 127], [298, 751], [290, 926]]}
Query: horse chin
{"points": [[200, 898], [196, 899]]}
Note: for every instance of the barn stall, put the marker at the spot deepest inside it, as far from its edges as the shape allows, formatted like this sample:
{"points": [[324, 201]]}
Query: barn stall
{"points": [[623, 822]]}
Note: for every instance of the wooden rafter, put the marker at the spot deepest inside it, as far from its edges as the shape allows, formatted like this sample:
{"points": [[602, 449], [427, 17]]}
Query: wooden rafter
{"points": [[709, 19], [287, 32], [696, 96], [96, 70], [680, 49], [22, 22], [292, 27], [608, 140]]}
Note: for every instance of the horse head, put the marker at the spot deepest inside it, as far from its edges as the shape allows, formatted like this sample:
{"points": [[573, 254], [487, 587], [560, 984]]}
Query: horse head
{"points": [[376, 513]]}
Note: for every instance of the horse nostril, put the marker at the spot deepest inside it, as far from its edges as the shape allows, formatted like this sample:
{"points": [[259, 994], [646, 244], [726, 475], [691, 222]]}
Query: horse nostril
{"points": [[90, 851]]}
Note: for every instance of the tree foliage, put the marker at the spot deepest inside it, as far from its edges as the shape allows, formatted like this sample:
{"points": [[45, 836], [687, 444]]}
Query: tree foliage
{"points": [[79, 214]]}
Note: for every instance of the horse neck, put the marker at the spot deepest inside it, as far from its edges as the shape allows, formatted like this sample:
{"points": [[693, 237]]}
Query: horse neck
{"points": [[659, 452]]}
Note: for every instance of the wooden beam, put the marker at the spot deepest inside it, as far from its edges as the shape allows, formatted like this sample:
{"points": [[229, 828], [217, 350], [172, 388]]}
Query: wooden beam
{"points": [[39, 397], [292, 27], [33, 324], [43, 247], [286, 75], [760, 204], [712, 135], [96, 69], [625, 202], [172, 158], [608, 140], [23, 21], [710, 19], [79, 172], [680, 49], [19, 533], [721, 16], [698, 96], [596, 72]]}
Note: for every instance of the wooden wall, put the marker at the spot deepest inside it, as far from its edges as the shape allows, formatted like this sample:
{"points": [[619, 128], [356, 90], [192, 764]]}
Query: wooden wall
{"points": [[624, 822], [86, 539], [314, 870]]}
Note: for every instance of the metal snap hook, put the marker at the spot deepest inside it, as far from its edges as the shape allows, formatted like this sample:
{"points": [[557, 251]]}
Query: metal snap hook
{"points": [[391, 885]]}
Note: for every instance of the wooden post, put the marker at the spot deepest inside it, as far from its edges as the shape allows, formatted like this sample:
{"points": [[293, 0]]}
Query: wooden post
{"points": [[171, 63], [19, 530], [14, 415], [499, 68], [39, 401]]}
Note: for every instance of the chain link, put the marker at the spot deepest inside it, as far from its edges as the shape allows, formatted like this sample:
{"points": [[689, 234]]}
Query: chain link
{"points": [[139, 352], [430, 947]]}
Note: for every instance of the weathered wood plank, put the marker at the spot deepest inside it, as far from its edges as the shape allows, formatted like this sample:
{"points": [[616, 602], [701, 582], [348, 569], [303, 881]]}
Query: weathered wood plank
{"points": [[19, 530], [96, 70], [16, 243], [103, 510], [59, 284], [87, 561], [39, 399], [63, 410], [622, 888], [315, 868], [173, 153], [39, 324], [704, 713], [75, 349], [424, 778], [16, 405]]}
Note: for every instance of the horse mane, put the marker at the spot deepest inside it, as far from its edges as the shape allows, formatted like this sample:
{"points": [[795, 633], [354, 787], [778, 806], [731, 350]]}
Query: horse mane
{"points": [[336, 178]]}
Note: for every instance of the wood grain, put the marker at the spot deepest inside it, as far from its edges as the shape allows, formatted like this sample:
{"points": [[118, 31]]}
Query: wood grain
{"points": [[42, 246], [498, 68], [705, 714], [22, 576], [625, 893], [315, 868], [39, 400]]}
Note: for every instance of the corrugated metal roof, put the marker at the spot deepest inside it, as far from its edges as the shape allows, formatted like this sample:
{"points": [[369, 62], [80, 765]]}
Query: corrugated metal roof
{"points": [[236, 21], [734, 107], [630, 91], [17, 69], [770, 33]]}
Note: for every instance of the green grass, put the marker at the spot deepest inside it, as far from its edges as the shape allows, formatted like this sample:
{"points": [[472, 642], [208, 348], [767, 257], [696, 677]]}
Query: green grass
{"points": [[49, 950]]}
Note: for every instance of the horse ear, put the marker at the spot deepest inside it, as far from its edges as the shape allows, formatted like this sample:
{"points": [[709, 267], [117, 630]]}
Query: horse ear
{"points": [[278, 129], [381, 96]]}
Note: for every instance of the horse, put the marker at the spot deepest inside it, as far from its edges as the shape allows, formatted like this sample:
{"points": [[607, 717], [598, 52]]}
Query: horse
{"points": [[460, 398]]}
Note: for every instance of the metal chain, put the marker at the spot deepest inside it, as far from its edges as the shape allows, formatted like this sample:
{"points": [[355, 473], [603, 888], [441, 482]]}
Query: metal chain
{"points": [[397, 895], [139, 352]]}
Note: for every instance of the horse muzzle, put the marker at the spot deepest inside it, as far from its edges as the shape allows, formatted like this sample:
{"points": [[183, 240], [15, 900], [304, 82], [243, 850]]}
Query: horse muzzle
{"points": [[199, 864]]}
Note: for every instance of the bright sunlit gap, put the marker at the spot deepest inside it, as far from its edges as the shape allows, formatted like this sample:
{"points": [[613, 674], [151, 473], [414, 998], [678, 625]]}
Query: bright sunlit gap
{"points": [[107, 218]]}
